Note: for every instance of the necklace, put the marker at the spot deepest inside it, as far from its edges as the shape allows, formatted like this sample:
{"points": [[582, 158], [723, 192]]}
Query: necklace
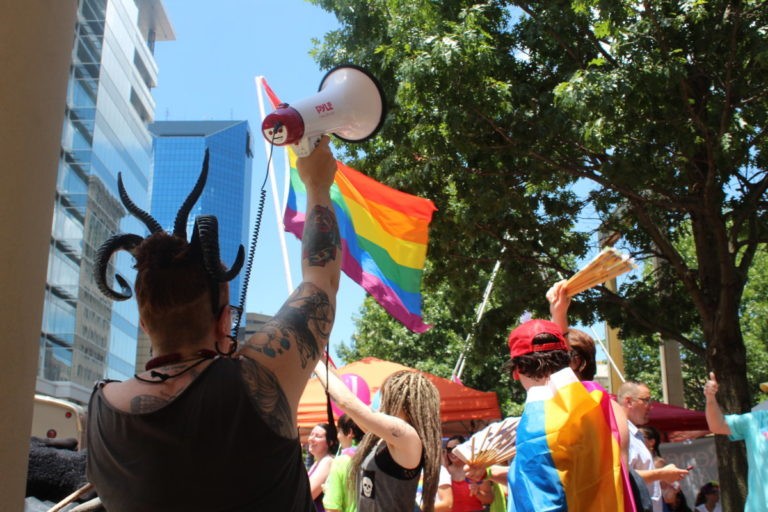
{"points": [[173, 358]]}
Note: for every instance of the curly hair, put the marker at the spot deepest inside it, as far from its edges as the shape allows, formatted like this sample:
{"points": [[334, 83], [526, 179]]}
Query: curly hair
{"points": [[411, 393]]}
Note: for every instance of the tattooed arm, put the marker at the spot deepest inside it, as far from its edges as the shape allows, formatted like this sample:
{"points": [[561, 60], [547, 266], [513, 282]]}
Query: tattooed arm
{"points": [[290, 344], [402, 439], [321, 242]]}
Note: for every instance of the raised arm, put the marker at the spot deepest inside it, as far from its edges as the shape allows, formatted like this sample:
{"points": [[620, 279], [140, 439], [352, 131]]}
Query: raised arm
{"points": [[559, 301], [715, 419], [401, 438], [279, 359]]}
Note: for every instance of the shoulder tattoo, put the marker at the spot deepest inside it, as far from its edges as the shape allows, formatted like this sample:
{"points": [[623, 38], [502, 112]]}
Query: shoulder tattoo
{"points": [[305, 319], [147, 403], [268, 398]]}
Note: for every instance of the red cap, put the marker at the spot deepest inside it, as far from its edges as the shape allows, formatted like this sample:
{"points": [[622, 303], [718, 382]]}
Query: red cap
{"points": [[521, 338]]}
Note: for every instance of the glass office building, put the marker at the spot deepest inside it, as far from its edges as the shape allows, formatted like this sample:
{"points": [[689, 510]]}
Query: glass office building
{"points": [[179, 149], [85, 336]]}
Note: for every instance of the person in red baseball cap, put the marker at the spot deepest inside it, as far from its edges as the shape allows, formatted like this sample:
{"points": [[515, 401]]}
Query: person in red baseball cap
{"points": [[567, 448], [537, 349]]}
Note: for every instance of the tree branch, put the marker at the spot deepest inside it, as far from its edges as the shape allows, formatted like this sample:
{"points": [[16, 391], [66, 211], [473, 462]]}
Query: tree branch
{"points": [[648, 324]]}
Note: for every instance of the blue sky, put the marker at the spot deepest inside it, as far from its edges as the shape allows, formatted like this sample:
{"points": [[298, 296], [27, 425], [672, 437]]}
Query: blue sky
{"points": [[208, 73]]}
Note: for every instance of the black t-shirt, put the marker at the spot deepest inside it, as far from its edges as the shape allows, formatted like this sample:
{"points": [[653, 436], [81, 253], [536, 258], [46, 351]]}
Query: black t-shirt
{"points": [[207, 450]]}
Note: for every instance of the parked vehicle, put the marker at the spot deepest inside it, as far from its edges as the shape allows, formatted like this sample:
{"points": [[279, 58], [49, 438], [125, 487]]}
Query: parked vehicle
{"points": [[58, 419]]}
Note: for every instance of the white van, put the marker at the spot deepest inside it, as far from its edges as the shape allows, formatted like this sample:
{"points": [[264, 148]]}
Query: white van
{"points": [[57, 419]]}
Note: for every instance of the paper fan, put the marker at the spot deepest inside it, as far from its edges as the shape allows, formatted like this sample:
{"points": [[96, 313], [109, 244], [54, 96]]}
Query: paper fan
{"points": [[608, 264], [494, 444]]}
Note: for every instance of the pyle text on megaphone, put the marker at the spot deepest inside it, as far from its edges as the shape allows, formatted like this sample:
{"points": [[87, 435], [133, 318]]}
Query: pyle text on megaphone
{"points": [[349, 104]]}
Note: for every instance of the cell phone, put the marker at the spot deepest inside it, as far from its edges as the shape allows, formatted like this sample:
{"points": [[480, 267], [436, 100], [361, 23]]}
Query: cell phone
{"points": [[690, 467]]}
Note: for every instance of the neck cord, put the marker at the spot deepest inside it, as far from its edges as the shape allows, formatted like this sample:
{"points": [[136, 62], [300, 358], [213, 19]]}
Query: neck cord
{"points": [[202, 355]]}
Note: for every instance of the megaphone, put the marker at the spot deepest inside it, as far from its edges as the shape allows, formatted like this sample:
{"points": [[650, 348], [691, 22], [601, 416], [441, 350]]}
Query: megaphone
{"points": [[349, 104]]}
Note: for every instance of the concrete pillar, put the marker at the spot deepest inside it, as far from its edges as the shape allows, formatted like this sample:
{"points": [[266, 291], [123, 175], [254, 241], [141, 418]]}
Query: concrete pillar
{"points": [[671, 373], [36, 38]]}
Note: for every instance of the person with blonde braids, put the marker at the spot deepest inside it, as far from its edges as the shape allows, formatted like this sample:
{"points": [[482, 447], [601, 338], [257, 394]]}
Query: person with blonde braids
{"points": [[401, 440]]}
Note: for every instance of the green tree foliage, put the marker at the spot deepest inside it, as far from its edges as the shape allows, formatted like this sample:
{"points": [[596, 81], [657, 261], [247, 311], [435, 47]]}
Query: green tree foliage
{"points": [[501, 111]]}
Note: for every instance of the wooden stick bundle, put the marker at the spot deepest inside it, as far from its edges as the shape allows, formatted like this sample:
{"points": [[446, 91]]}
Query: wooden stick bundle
{"points": [[608, 264], [495, 444]]}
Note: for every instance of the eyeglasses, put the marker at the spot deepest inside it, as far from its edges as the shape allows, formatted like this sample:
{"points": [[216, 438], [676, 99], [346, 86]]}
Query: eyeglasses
{"points": [[645, 400], [236, 316]]}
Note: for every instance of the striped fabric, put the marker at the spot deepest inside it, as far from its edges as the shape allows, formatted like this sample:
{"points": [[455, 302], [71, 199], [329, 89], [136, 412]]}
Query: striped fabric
{"points": [[384, 236], [568, 451]]}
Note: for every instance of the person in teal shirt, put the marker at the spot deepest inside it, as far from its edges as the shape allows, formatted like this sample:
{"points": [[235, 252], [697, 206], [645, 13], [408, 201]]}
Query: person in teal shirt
{"points": [[752, 428]]}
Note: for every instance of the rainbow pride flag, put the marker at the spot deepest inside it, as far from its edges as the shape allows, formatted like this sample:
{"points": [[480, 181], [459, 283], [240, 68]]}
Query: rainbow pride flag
{"points": [[568, 451], [384, 235]]}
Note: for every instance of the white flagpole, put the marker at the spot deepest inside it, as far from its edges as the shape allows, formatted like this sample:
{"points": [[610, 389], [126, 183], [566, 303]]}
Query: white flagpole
{"points": [[459, 368], [277, 202], [608, 355]]}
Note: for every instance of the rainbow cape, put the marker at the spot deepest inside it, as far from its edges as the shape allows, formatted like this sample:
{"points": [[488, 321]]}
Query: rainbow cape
{"points": [[384, 235], [568, 451]]}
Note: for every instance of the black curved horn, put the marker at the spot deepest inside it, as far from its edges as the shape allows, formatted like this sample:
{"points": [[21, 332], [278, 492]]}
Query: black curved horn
{"points": [[206, 237], [180, 224], [137, 212], [104, 254]]}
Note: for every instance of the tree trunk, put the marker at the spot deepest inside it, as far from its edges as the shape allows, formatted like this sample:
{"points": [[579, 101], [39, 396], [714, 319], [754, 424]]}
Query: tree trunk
{"points": [[726, 356]]}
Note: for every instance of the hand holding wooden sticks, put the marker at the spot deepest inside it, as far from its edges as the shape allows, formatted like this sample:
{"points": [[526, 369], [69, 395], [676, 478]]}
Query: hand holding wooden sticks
{"points": [[608, 264]]}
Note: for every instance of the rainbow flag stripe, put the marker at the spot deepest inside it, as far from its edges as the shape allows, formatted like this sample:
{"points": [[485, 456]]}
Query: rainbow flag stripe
{"points": [[384, 235], [384, 238], [568, 451]]}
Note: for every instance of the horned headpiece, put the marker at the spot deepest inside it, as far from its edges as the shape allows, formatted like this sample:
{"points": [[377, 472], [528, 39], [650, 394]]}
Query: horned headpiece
{"points": [[205, 238]]}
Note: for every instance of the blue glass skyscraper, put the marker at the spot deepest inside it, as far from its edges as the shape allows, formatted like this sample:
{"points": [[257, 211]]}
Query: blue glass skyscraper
{"points": [[85, 336], [179, 148]]}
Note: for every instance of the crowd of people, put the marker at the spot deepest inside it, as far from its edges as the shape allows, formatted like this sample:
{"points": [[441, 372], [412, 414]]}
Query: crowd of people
{"points": [[212, 426]]}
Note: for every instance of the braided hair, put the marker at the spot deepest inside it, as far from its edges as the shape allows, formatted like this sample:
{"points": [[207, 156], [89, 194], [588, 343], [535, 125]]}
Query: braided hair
{"points": [[411, 393]]}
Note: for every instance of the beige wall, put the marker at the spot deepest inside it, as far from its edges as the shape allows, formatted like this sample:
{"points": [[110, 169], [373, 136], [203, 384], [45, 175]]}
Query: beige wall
{"points": [[36, 39]]}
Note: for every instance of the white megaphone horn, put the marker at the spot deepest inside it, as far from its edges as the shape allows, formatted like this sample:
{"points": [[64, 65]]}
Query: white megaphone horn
{"points": [[349, 104]]}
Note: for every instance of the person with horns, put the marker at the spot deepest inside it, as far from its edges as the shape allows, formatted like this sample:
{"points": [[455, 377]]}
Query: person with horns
{"points": [[207, 426]]}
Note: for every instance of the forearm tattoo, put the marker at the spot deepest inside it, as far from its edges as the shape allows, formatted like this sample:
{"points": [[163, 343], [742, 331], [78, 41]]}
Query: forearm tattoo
{"points": [[321, 239], [306, 316], [268, 398]]}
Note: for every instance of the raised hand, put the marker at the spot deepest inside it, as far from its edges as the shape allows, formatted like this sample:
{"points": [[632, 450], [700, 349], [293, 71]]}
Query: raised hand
{"points": [[711, 386]]}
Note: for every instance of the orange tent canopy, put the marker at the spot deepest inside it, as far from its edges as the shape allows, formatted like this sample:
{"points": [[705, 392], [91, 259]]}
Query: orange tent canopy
{"points": [[462, 409]]}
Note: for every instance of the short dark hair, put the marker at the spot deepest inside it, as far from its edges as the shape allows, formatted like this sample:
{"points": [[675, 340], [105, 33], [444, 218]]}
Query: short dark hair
{"points": [[348, 426], [456, 437], [173, 289], [538, 365]]}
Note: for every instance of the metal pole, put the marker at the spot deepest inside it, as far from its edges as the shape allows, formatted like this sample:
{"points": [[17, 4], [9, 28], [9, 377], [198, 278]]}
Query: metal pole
{"points": [[459, 368], [273, 183]]}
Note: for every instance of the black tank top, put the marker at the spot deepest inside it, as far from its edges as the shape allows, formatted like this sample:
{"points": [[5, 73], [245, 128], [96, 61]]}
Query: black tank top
{"points": [[207, 450]]}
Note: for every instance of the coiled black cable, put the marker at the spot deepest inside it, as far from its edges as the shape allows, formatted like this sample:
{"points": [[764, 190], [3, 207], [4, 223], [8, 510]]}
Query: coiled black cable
{"points": [[252, 249]]}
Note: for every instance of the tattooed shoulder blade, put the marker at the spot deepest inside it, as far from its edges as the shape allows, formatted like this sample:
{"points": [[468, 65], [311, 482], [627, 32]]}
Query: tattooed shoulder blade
{"points": [[304, 320], [268, 398]]}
